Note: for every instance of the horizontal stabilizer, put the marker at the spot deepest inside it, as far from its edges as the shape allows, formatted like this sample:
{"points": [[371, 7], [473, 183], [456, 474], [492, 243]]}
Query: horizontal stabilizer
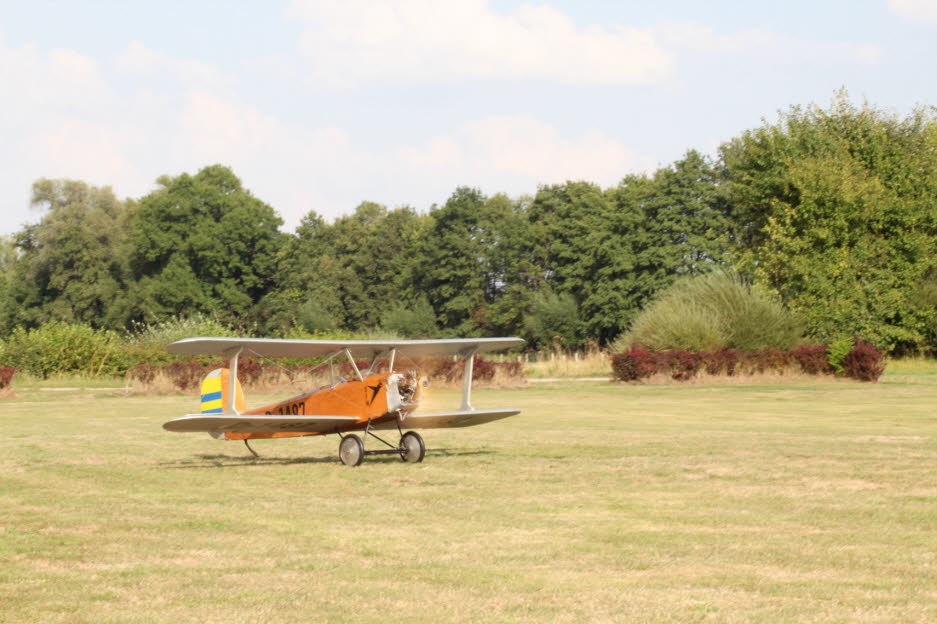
{"points": [[459, 418], [258, 424]]}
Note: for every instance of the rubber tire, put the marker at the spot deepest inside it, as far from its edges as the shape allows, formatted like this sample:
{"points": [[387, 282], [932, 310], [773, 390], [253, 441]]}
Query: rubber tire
{"points": [[351, 450], [412, 448]]}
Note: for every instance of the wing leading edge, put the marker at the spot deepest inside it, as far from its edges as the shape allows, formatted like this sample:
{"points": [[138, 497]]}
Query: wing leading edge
{"points": [[258, 424], [456, 418], [221, 423], [272, 347]]}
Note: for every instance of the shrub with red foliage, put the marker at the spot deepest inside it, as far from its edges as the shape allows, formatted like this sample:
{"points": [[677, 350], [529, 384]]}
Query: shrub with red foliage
{"points": [[769, 359], [346, 371], [434, 366], [634, 364], [6, 376], [249, 370], [483, 370], [186, 375], [812, 359], [684, 364], [144, 373], [864, 362], [724, 361]]}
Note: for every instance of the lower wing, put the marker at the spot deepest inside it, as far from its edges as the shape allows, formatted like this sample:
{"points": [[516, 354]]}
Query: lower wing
{"points": [[458, 418], [220, 423]]}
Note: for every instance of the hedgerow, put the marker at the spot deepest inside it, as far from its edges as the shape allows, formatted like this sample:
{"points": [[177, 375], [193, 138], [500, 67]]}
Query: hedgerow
{"points": [[59, 347], [863, 362]]}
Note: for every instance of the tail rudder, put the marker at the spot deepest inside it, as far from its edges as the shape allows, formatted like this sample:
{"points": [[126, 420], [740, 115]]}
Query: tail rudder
{"points": [[214, 393]]}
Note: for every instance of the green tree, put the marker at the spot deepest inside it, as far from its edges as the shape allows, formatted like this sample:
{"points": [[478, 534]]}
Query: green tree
{"points": [[506, 265], [553, 320], [585, 243], [685, 218], [8, 257], [450, 268], [71, 265], [836, 211], [202, 244], [350, 272], [415, 320]]}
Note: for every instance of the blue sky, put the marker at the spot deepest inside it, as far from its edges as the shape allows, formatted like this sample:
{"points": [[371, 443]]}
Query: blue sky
{"points": [[318, 105]]}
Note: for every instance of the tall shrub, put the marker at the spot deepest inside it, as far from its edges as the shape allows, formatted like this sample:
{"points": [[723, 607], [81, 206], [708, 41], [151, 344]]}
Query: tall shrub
{"points": [[59, 347], [718, 310]]}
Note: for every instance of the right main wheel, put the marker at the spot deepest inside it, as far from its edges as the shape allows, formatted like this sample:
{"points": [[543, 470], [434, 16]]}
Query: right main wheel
{"points": [[412, 448], [351, 450]]}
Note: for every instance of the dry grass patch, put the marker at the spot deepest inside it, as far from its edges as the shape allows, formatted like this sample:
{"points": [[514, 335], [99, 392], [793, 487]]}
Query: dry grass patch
{"points": [[585, 364]]}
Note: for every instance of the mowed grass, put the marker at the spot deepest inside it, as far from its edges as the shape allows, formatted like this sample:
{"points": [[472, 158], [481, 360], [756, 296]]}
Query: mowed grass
{"points": [[801, 502]]}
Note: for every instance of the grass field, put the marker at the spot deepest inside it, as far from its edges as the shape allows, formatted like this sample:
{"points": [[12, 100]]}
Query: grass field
{"points": [[801, 502]]}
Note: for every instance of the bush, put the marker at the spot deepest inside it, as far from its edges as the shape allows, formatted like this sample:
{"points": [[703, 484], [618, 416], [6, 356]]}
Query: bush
{"points": [[186, 375], [723, 361], [837, 352], [58, 347], [634, 364], [673, 323], [6, 376], [864, 362], [147, 343], [812, 359], [768, 360], [713, 311], [684, 364]]}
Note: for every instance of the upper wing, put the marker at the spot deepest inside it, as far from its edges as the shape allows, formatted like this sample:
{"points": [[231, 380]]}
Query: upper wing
{"points": [[218, 423], [458, 418], [270, 347]]}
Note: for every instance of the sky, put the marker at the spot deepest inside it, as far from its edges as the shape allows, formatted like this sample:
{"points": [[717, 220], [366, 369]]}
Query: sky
{"points": [[319, 105]]}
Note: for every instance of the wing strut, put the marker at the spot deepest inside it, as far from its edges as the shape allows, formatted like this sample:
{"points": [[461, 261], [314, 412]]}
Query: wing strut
{"points": [[467, 379], [232, 354], [354, 366]]}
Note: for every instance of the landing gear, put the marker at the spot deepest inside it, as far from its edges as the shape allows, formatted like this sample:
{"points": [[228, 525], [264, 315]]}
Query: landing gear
{"points": [[351, 450], [410, 448]]}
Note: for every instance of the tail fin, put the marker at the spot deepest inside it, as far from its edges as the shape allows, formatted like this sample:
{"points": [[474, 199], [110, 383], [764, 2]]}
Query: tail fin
{"points": [[215, 393]]}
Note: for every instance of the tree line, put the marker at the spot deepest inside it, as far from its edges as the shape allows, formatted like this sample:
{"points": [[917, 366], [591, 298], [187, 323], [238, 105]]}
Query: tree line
{"points": [[832, 211]]}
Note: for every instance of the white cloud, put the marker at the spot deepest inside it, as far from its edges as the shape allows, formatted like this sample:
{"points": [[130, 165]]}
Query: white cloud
{"points": [[915, 10], [114, 124], [141, 60], [350, 42], [519, 152], [691, 37]]}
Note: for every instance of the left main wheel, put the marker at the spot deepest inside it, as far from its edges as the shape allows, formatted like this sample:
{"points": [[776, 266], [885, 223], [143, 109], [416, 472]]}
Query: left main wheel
{"points": [[412, 448], [351, 450]]}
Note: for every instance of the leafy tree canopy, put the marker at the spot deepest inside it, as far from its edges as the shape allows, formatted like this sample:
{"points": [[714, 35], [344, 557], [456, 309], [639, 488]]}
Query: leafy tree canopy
{"points": [[202, 244], [835, 210]]}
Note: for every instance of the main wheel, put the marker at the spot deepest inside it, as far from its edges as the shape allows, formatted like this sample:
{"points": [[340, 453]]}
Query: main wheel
{"points": [[412, 448], [351, 450]]}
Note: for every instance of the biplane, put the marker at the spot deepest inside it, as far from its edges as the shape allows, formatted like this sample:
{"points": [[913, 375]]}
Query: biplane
{"points": [[384, 395]]}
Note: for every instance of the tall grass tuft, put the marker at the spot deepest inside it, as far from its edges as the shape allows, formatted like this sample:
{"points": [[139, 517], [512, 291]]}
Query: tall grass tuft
{"points": [[713, 311]]}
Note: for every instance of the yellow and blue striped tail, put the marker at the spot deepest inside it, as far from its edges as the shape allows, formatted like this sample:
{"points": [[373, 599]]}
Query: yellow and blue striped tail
{"points": [[215, 392]]}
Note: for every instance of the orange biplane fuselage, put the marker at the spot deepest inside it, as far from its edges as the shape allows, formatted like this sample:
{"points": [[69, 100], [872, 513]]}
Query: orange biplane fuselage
{"points": [[366, 399]]}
